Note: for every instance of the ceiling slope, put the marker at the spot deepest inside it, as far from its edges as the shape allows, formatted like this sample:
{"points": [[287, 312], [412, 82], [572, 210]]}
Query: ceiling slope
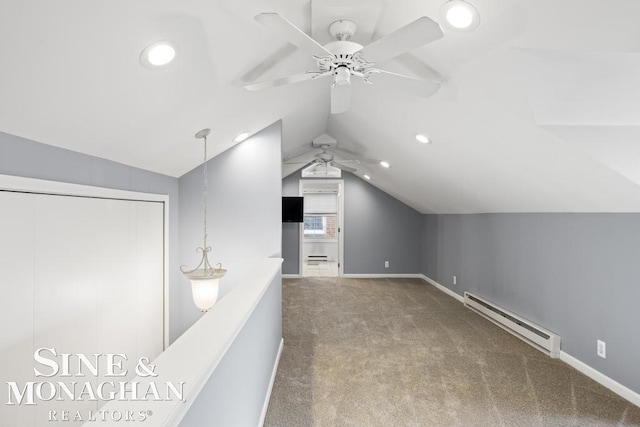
{"points": [[538, 110]]}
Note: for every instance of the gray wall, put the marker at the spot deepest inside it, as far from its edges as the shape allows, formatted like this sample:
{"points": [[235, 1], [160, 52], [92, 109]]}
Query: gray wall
{"points": [[244, 213], [430, 245], [377, 228], [25, 158], [575, 274]]}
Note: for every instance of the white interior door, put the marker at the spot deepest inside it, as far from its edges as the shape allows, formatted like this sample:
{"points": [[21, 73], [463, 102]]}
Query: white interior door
{"points": [[81, 275]]}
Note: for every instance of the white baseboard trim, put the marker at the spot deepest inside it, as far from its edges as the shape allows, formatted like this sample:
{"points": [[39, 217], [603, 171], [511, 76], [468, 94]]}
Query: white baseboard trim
{"points": [[265, 405], [601, 378], [443, 288], [291, 276], [382, 276]]}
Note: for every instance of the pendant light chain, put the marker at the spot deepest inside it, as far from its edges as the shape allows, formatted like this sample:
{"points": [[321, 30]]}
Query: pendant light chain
{"points": [[204, 270], [204, 247]]}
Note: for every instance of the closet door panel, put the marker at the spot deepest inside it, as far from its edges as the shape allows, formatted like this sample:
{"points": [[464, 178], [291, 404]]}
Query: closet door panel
{"points": [[16, 304], [149, 222], [66, 274], [116, 286]]}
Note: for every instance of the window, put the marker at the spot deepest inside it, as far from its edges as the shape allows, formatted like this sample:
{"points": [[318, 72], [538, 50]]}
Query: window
{"points": [[320, 226]]}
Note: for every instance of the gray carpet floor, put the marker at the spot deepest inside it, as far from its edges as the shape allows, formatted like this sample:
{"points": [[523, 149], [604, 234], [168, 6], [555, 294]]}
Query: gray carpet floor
{"points": [[399, 352]]}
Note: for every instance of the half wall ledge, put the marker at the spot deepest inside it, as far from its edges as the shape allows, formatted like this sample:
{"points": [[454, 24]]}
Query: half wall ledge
{"points": [[194, 357]]}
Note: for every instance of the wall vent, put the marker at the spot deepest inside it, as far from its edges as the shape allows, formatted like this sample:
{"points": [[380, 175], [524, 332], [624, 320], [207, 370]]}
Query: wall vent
{"points": [[538, 337]]}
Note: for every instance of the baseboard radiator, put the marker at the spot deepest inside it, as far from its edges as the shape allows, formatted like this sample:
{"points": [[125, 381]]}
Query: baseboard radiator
{"points": [[540, 338]]}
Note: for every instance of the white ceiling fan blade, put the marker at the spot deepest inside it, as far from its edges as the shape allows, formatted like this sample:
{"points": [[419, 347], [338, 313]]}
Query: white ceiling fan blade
{"points": [[395, 81], [419, 32], [340, 98], [343, 167], [268, 84], [291, 33]]}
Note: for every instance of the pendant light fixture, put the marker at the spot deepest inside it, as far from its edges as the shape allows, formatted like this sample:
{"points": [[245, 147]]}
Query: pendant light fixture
{"points": [[205, 279]]}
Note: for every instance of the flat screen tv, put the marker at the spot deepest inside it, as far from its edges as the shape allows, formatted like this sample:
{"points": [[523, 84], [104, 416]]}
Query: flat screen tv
{"points": [[292, 209]]}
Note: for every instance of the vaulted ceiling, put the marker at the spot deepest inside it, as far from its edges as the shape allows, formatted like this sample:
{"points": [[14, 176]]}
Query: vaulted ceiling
{"points": [[539, 109]]}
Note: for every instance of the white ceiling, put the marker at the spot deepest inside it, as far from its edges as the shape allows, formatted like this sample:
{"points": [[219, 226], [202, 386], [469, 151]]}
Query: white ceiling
{"points": [[539, 109]]}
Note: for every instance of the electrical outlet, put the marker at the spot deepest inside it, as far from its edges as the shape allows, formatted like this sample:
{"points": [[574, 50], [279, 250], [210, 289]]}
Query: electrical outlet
{"points": [[386, 264], [455, 280], [602, 349]]}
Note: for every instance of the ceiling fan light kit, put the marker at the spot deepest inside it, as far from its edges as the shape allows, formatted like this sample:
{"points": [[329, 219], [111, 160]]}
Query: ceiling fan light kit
{"points": [[460, 15], [341, 59]]}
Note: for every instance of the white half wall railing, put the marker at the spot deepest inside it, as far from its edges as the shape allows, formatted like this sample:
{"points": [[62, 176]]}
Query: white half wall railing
{"points": [[193, 358]]}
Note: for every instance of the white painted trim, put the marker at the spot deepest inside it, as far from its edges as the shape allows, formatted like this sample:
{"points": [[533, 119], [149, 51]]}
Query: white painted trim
{"points": [[601, 378], [443, 288], [42, 186], [265, 406], [383, 276], [291, 276]]}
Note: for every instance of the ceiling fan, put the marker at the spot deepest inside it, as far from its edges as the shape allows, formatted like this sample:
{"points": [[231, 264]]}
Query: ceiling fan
{"points": [[323, 157], [344, 58]]}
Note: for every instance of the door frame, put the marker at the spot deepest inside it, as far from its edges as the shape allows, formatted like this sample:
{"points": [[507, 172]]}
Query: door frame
{"points": [[340, 184]]}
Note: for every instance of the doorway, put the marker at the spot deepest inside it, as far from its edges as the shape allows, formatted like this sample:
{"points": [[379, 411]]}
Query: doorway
{"points": [[321, 242]]}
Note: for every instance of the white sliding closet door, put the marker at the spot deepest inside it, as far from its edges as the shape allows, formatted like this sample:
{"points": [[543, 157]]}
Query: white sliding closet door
{"points": [[16, 303], [81, 275]]}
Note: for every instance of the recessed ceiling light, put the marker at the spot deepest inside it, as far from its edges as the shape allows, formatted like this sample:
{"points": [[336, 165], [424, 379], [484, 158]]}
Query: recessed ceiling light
{"points": [[241, 137], [158, 54], [460, 15], [422, 138], [385, 164], [367, 177]]}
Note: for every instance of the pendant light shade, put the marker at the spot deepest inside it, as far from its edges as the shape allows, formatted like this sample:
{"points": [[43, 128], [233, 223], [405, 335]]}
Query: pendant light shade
{"points": [[205, 279], [205, 287]]}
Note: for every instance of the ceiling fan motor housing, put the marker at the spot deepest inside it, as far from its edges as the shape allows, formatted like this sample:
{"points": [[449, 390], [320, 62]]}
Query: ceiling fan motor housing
{"points": [[343, 50], [343, 57]]}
